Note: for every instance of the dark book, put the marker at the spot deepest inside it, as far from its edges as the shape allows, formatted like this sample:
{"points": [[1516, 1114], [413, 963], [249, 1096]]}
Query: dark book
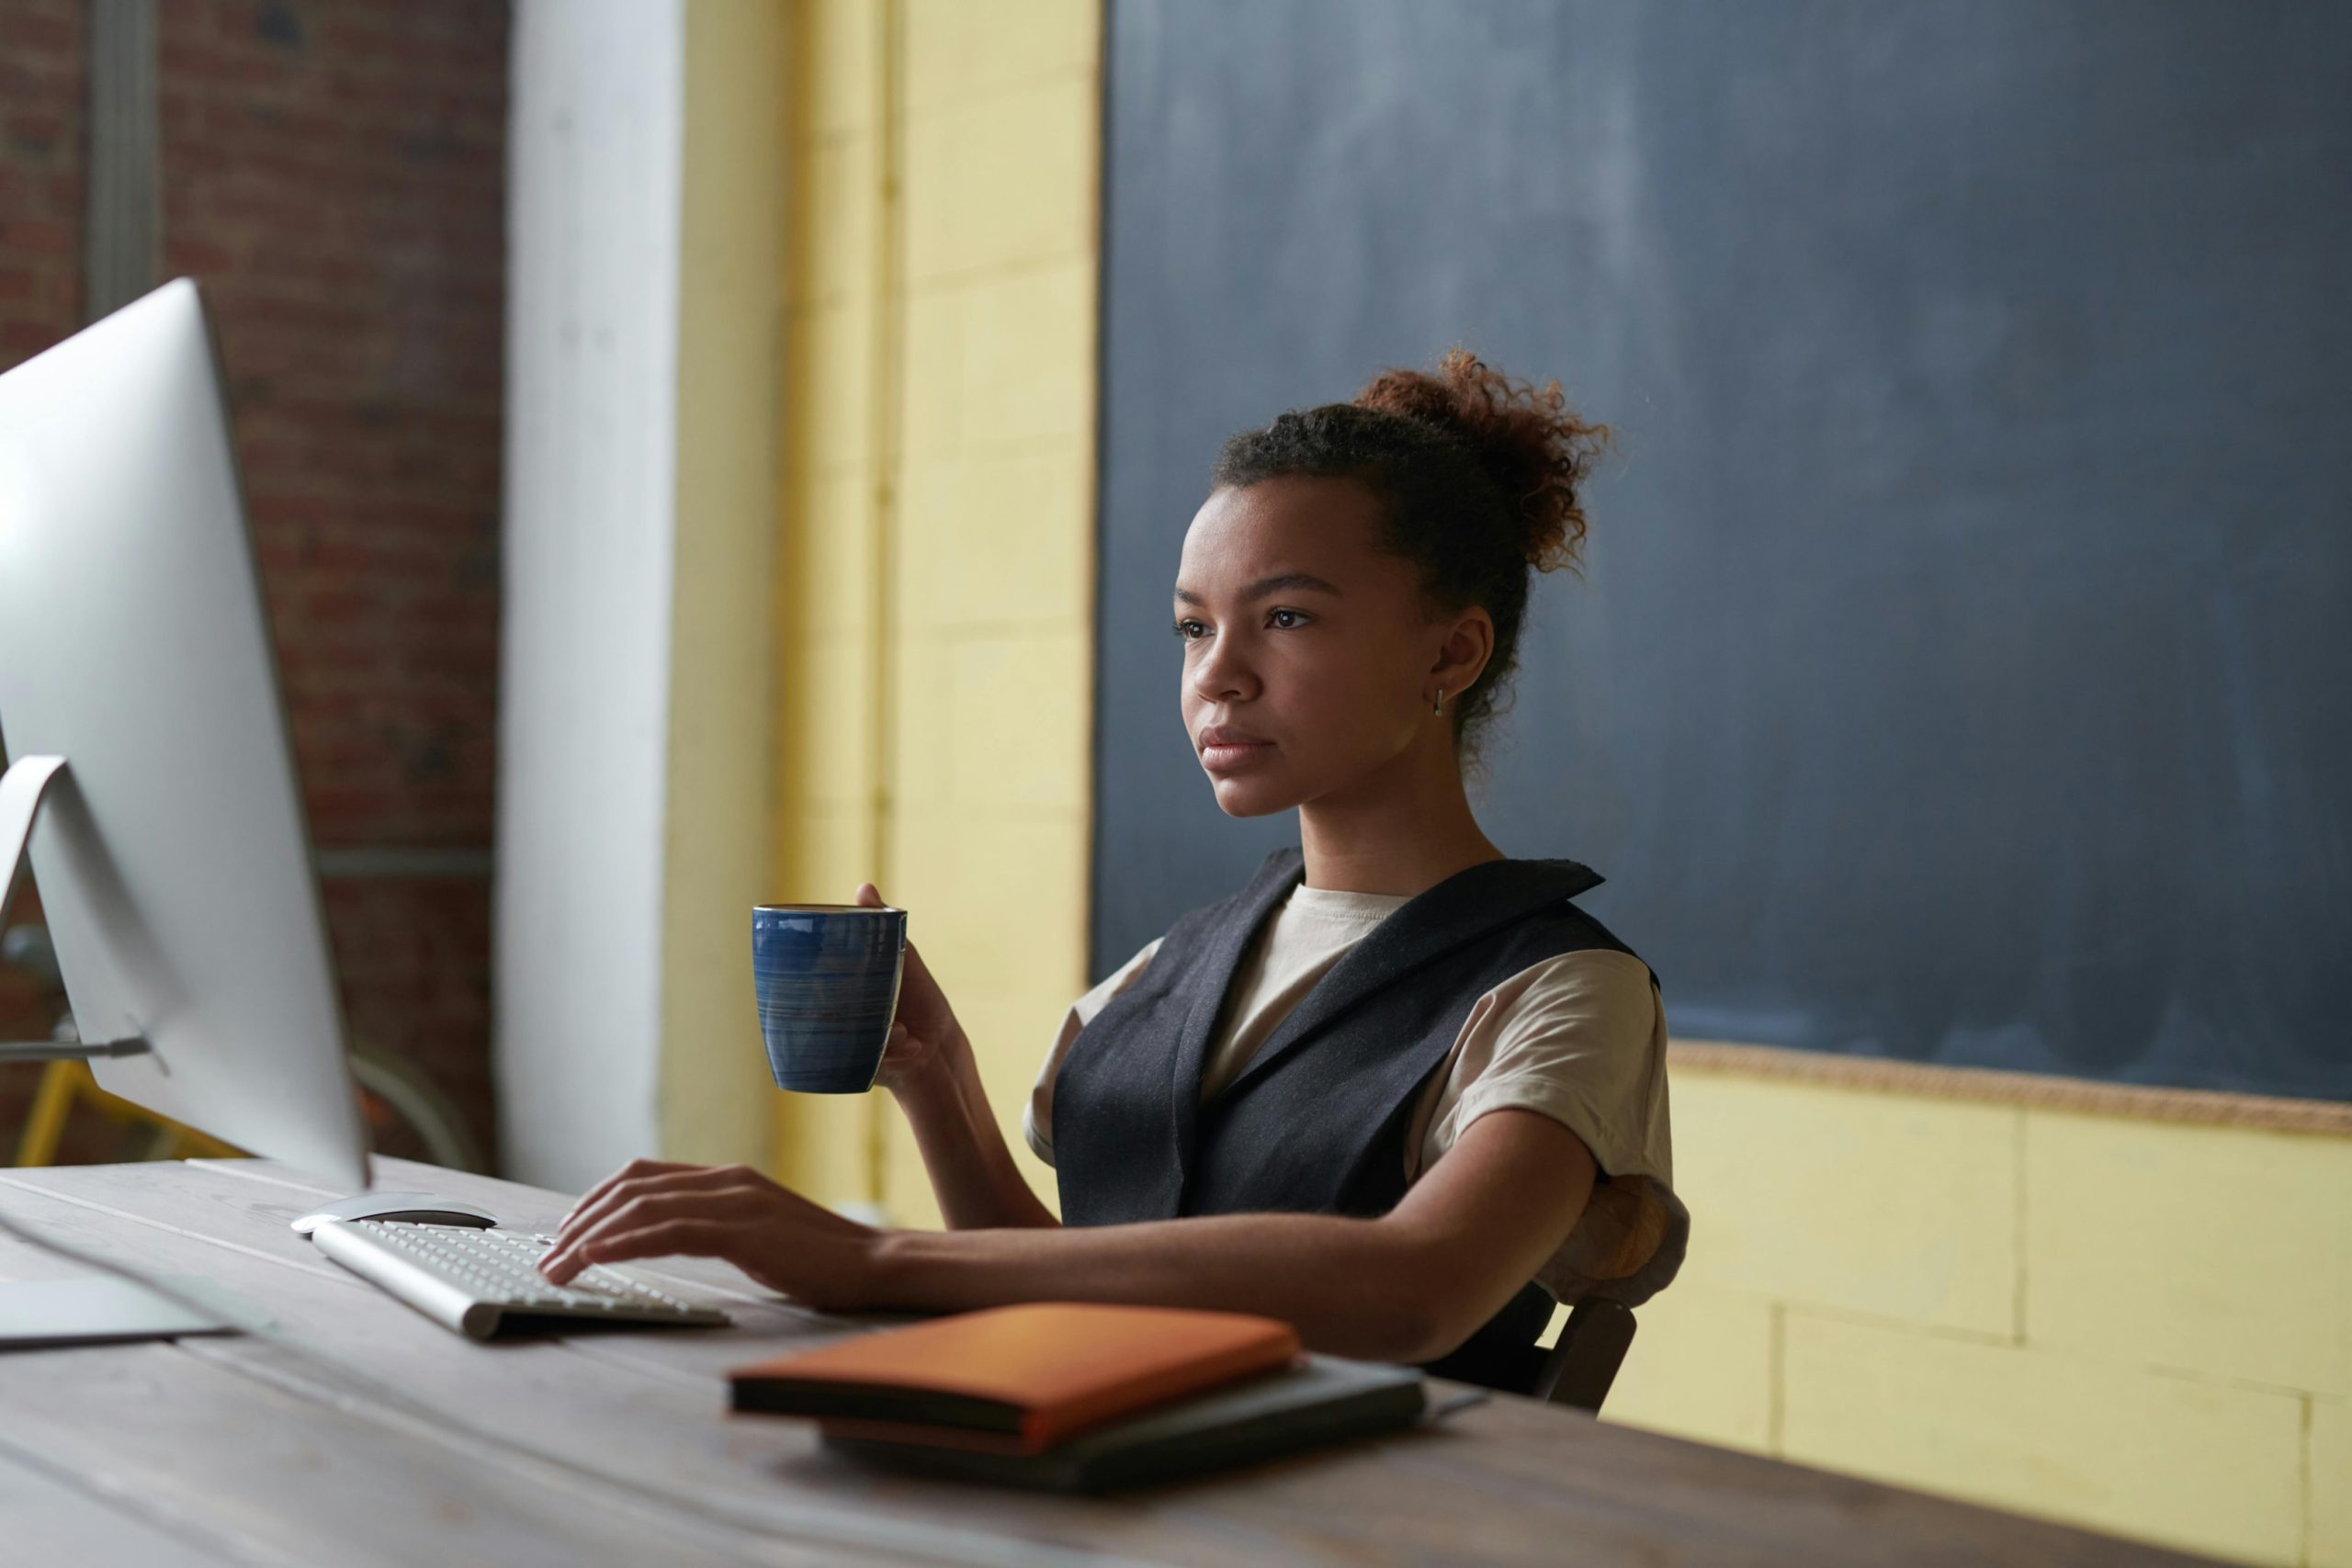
{"points": [[1318, 1400]]}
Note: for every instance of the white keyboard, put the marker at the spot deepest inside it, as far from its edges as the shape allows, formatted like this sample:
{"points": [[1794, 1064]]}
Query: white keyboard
{"points": [[471, 1279]]}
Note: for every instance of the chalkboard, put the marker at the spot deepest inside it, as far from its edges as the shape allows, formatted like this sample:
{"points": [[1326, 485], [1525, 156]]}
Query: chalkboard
{"points": [[1963, 672]]}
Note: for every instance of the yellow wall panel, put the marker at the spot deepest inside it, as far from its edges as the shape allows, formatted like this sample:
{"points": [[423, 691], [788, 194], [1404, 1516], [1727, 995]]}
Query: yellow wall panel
{"points": [[2330, 1484], [1004, 562], [717, 828], [932, 398], [1021, 713], [1005, 901], [829, 565], [1006, 360], [2178, 1292], [828, 386], [1700, 1366], [2170, 1244], [958, 48], [2177, 1459], [1029, 357], [829, 857], [835, 209], [829, 708], [922, 769], [837, 43], [989, 180], [938, 414], [1895, 1204]]}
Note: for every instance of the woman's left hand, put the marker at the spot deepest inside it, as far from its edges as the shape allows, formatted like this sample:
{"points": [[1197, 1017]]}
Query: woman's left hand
{"points": [[656, 1209]]}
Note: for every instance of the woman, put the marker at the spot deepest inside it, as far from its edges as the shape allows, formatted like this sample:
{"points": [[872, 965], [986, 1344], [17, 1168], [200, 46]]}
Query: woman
{"points": [[1375, 1091]]}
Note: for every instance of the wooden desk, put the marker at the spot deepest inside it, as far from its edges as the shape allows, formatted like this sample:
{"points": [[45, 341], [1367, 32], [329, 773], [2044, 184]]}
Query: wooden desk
{"points": [[614, 1445]]}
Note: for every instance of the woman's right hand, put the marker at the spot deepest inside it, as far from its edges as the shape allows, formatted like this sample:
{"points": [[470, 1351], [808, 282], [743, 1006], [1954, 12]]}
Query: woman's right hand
{"points": [[924, 1035]]}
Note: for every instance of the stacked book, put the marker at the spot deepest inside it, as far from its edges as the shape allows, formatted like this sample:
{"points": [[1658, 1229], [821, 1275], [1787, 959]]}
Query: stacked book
{"points": [[1079, 1396]]}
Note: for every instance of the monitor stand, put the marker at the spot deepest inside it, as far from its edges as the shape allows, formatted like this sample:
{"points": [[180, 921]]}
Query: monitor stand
{"points": [[96, 1307], [22, 789]]}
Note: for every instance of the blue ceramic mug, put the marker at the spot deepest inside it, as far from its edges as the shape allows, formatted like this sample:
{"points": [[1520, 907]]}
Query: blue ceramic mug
{"points": [[827, 978]]}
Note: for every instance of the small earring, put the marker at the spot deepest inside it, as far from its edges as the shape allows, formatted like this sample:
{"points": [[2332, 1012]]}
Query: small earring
{"points": [[1439, 705]]}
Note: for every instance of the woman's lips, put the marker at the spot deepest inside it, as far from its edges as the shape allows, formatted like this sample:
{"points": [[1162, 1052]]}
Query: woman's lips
{"points": [[1225, 756]]}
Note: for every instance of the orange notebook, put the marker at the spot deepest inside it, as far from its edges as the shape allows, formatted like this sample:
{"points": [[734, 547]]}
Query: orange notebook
{"points": [[1014, 1378]]}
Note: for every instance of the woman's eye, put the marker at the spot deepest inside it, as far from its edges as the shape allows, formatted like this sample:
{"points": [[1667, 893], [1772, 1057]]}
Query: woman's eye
{"points": [[1185, 628]]}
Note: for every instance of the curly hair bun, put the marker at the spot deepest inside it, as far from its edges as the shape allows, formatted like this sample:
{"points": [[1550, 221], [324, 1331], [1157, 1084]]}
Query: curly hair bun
{"points": [[1526, 439]]}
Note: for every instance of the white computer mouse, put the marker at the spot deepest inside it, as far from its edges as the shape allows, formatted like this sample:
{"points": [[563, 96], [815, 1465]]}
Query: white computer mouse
{"points": [[418, 1208]]}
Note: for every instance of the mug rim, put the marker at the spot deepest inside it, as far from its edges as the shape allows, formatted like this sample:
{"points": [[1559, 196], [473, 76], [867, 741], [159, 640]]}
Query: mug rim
{"points": [[829, 908]]}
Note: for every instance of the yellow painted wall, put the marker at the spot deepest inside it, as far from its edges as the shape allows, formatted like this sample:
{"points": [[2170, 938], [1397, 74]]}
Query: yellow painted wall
{"points": [[2141, 1326], [936, 574], [719, 812]]}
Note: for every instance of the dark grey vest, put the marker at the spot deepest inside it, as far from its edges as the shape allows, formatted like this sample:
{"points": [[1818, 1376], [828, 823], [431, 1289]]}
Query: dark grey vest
{"points": [[1316, 1122]]}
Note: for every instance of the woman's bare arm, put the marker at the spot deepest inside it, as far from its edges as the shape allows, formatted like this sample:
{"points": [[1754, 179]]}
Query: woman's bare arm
{"points": [[927, 1063], [1407, 1287], [972, 1173]]}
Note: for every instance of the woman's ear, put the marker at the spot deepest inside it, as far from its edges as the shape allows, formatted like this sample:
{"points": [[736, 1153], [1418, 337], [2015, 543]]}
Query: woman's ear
{"points": [[1461, 657]]}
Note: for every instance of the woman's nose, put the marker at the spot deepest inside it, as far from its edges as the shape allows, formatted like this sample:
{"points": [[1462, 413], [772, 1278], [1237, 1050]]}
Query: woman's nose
{"points": [[1222, 673]]}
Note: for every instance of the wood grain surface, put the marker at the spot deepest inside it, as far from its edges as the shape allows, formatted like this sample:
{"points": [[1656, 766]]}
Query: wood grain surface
{"points": [[358, 1431]]}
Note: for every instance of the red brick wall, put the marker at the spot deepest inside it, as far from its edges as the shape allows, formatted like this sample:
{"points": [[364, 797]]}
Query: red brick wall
{"points": [[42, 94], [334, 172]]}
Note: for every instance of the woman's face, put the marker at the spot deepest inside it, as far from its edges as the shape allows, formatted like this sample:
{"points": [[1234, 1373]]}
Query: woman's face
{"points": [[1305, 647]]}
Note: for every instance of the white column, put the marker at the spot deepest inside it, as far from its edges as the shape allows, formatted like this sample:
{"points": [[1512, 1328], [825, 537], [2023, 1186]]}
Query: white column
{"points": [[591, 482], [635, 807]]}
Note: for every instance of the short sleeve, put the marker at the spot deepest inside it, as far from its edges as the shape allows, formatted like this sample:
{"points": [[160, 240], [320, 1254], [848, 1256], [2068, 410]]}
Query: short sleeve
{"points": [[1037, 1116], [1580, 1038]]}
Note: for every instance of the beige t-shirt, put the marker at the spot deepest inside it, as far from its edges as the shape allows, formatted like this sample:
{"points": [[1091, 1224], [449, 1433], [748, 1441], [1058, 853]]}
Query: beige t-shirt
{"points": [[1580, 1037]]}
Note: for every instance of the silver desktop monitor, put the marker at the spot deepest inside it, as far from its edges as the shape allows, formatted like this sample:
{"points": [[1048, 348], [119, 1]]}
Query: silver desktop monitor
{"points": [[169, 843]]}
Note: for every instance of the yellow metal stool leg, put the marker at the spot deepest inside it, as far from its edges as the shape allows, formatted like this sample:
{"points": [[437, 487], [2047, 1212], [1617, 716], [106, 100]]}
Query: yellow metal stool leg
{"points": [[53, 1102], [63, 1085]]}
